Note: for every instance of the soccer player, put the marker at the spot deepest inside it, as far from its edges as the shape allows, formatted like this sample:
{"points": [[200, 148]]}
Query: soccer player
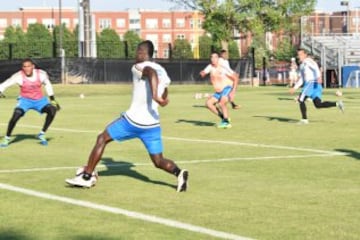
{"points": [[293, 75], [141, 120], [309, 77], [30, 80], [224, 83]]}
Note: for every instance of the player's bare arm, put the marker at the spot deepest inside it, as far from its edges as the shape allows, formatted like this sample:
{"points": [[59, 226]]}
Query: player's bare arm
{"points": [[151, 75]]}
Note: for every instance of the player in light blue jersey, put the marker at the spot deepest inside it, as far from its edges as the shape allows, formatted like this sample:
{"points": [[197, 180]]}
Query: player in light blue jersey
{"points": [[141, 120], [310, 79]]}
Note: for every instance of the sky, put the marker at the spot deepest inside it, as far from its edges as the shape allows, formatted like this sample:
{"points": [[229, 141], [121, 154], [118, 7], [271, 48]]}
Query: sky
{"points": [[115, 5]]}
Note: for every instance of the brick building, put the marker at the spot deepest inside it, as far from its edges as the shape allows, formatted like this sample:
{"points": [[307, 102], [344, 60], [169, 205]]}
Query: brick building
{"points": [[161, 27]]}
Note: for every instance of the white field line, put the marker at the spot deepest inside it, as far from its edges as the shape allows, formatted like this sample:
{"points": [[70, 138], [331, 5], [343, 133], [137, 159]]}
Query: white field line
{"points": [[203, 141], [119, 211], [187, 162]]}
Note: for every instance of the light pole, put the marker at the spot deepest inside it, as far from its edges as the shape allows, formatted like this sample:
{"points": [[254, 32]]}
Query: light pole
{"points": [[61, 50], [22, 17], [346, 3]]}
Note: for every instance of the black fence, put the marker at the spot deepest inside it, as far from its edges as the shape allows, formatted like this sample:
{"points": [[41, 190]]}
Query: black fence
{"points": [[88, 70]]}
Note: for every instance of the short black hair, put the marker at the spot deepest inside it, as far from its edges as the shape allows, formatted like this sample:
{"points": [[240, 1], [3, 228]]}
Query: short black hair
{"points": [[223, 51], [149, 45], [302, 49], [28, 60]]}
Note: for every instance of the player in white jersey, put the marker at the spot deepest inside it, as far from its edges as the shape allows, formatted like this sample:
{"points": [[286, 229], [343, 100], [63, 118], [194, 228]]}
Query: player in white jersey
{"points": [[309, 78], [141, 120], [30, 80]]}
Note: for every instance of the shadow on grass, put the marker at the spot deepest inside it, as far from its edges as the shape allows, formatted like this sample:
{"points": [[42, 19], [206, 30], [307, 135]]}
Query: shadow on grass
{"points": [[280, 119], [22, 137], [199, 106], [11, 235], [127, 169], [196, 122], [286, 99], [350, 153]]}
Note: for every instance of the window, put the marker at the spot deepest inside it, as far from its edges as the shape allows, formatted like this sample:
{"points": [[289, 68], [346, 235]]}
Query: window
{"points": [[166, 38], [134, 21], [151, 23], [166, 23], [16, 22], [153, 38], [193, 25], [120, 23], [31, 21], [3, 23], [180, 22], [166, 53], [104, 23], [180, 36], [48, 23], [66, 22]]}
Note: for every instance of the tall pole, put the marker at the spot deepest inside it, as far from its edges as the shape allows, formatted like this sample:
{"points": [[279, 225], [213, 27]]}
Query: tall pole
{"points": [[61, 50]]}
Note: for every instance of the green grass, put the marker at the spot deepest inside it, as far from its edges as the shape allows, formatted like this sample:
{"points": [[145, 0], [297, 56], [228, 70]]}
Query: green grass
{"points": [[260, 179]]}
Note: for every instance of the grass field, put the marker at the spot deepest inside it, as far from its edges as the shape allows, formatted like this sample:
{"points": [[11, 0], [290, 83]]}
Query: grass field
{"points": [[265, 178]]}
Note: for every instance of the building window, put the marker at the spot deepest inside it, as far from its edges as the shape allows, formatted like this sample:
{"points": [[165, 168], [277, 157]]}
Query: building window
{"points": [[166, 23], [31, 21], [16, 22], [120, 23], [151, 23], [166, 53], [66, 22], [3, 23], [180, 36], [104, 23], [193, 25], [180, 22], [49, 23], [134, 21], [153, 38], [166, 38]]}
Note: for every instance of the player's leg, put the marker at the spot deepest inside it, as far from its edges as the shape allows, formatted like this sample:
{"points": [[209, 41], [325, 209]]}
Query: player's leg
{"points": [[151, 139], [211, 105], [17, 114], [50, 111], [302, 99]]}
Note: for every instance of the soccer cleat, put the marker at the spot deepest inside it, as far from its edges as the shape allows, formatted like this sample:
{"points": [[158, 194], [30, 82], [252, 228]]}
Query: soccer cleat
{"points": [[303, 121], [341, 106], [42, 138], [224, 125], [182, 180], [235, 106], [5, 142], [79, 181]]}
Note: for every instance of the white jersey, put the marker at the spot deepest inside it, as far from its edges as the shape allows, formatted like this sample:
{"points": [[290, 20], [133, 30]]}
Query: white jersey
{"points": [[17, 78], [309, 72], [143, 110]]}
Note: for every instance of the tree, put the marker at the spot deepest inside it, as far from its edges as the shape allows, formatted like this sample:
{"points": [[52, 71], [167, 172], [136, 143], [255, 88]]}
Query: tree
{"points": [[39, 41], [233, 50], [285, 50], [69, 43], [14, 37], [109, 45], [249, 16], [132, 40], [182, 49], [205, 46]]}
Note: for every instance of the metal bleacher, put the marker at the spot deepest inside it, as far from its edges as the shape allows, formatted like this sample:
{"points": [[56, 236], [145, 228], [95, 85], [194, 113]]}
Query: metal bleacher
{"points": [[334, 50]]}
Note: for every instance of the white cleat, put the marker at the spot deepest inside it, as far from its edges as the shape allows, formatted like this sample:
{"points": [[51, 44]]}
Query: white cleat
{"points": [[341, 106], [79, 181], [182, 181], [303, 122]]}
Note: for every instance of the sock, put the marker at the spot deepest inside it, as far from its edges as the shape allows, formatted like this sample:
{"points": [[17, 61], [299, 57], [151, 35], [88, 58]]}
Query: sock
{"points": [[176, 171], [86, 176]]}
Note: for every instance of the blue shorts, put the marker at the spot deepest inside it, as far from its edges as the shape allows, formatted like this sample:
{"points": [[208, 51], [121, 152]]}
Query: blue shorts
{"points": [[121, 130], [26, 104], [312, 90], [224, 93]]}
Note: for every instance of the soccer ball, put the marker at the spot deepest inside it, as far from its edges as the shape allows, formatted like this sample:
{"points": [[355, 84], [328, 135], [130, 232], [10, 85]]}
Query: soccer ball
{"points": [[338, 93], [94, 175]]}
